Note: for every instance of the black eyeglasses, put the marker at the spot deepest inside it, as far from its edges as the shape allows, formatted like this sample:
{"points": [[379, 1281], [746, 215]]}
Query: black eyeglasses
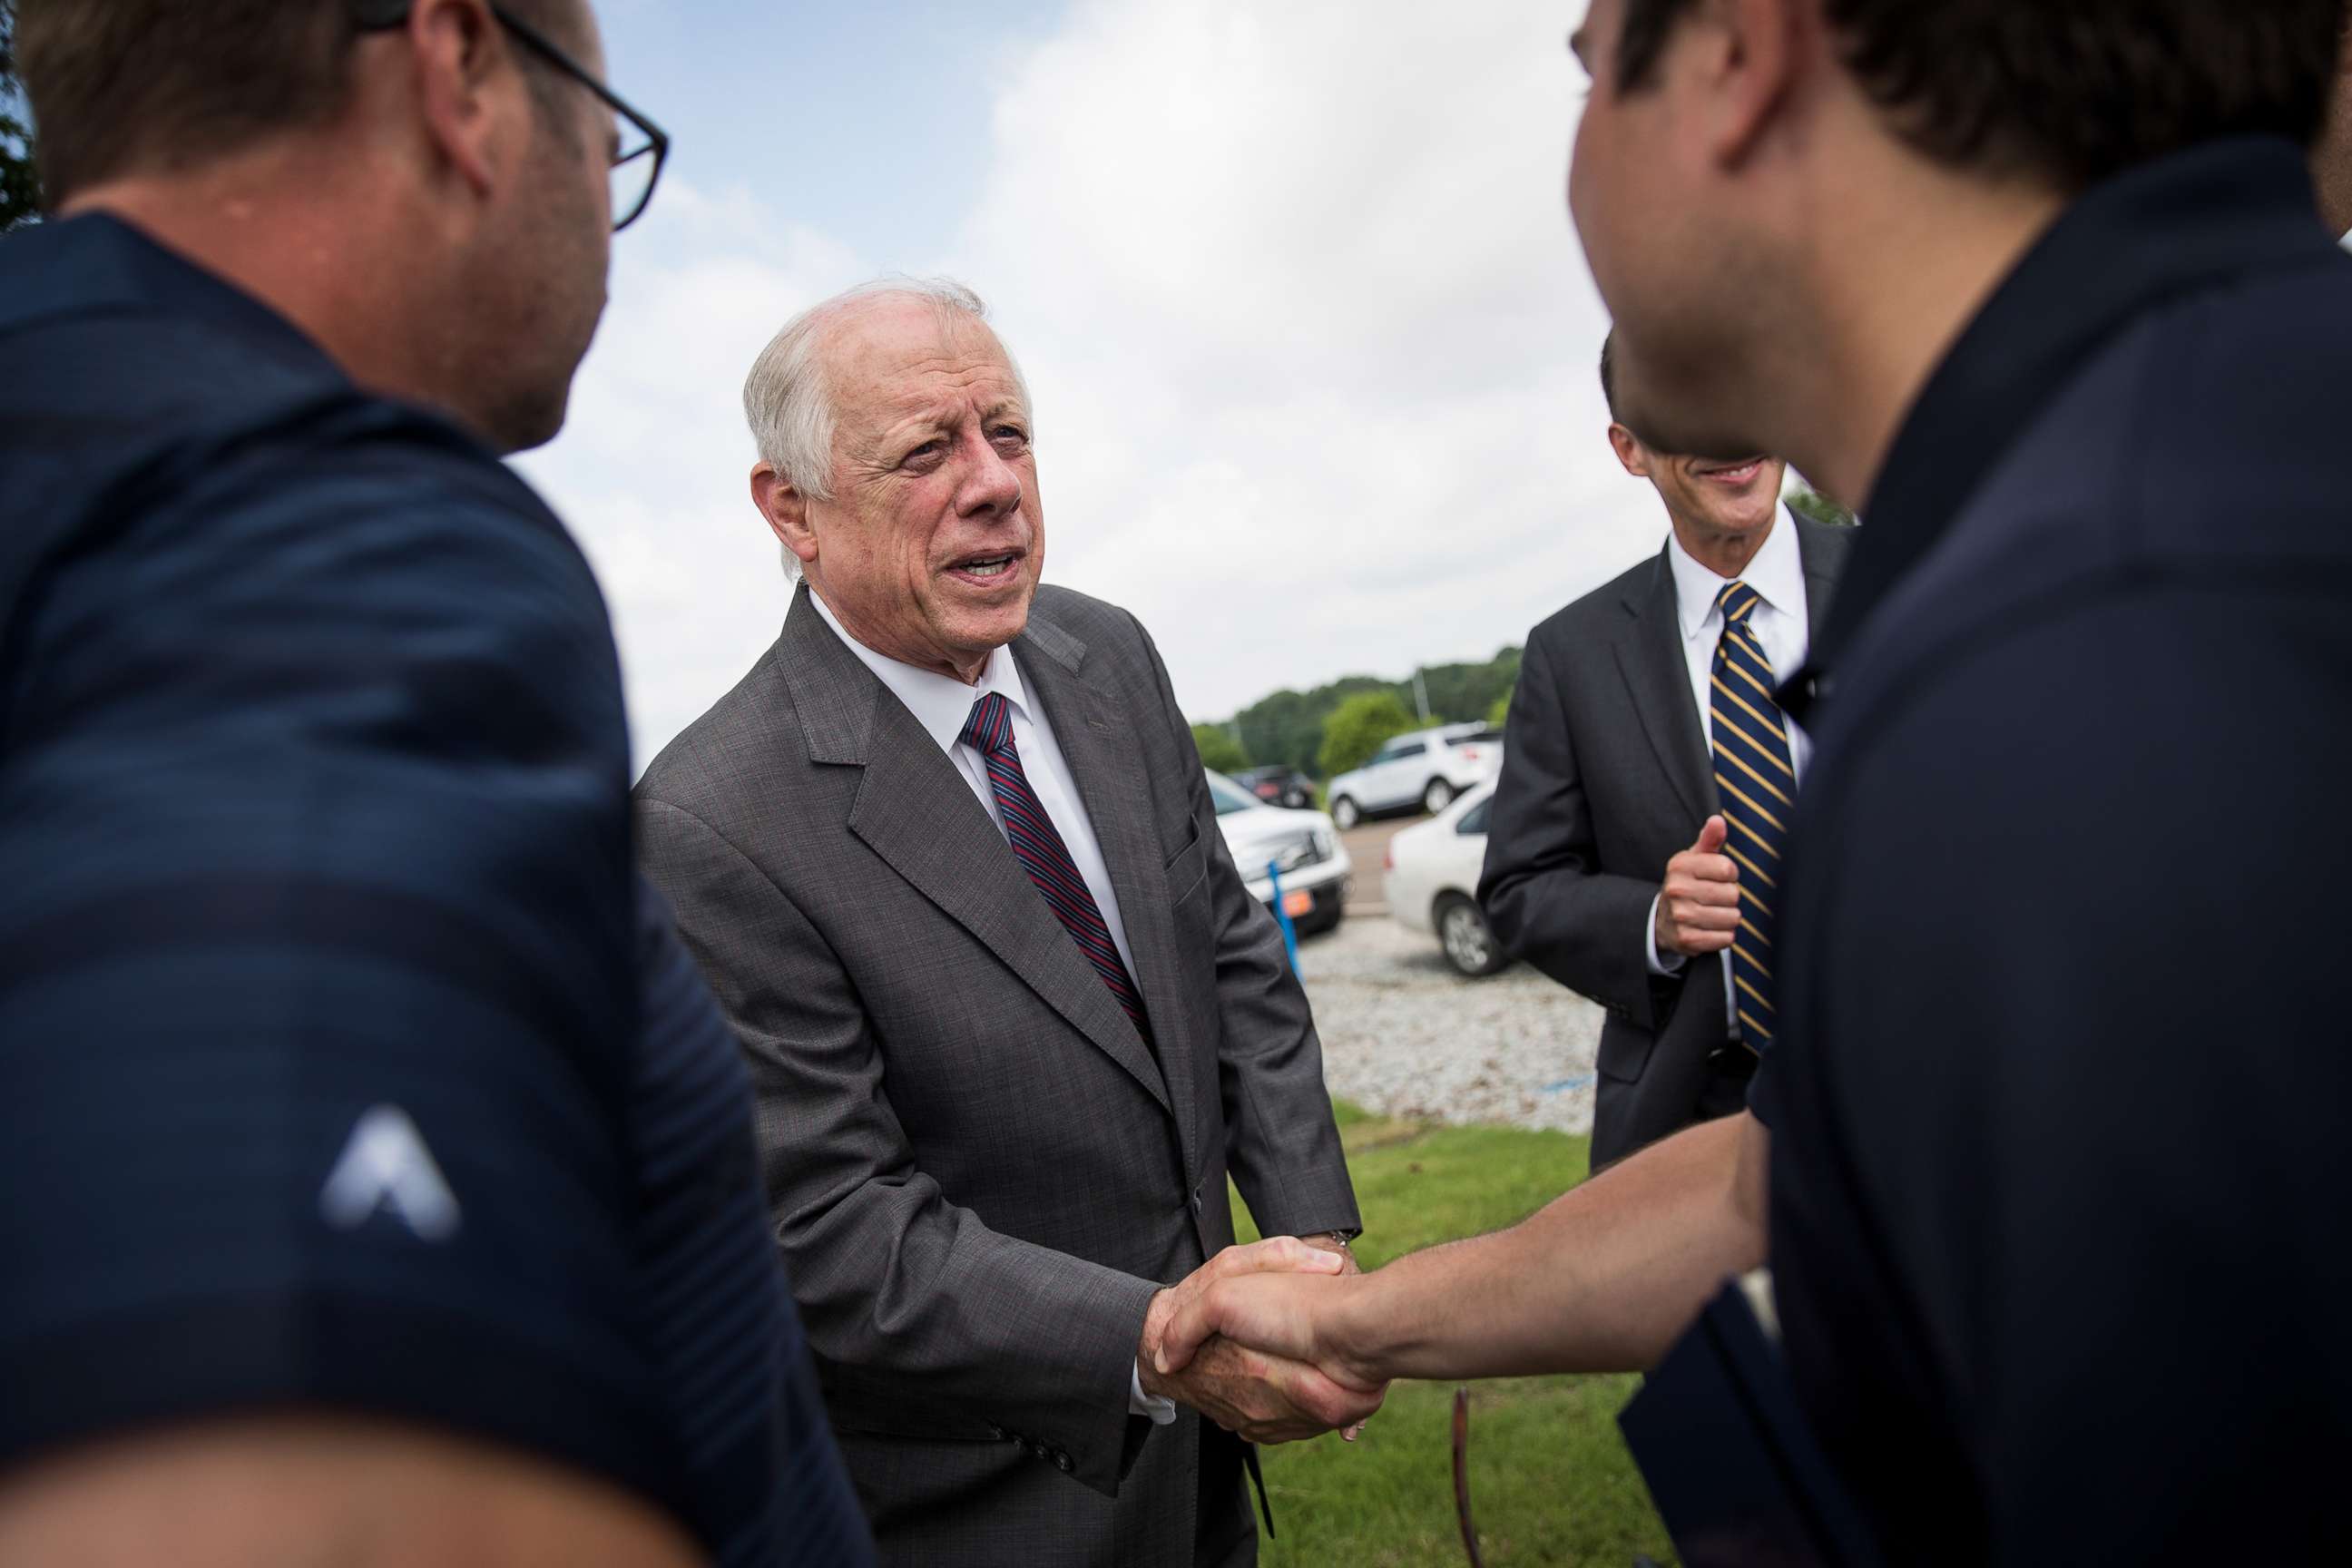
{"points": [[643, 148]]}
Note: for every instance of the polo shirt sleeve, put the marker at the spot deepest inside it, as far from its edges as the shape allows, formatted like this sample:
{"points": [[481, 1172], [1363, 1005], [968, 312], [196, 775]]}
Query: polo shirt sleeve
{"points": [[316, 957]]}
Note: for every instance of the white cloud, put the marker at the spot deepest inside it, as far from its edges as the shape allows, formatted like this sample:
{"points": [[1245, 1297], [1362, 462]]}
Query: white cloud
{"points": [[1310, 335]]}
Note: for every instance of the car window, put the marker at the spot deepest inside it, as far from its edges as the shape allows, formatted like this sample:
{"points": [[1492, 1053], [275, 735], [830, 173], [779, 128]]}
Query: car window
{"points": [[1397, 750], [1475, 820], [1230, 797]]}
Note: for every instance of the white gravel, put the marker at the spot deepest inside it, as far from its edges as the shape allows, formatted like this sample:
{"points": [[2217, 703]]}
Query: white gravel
{"points": [[1403, 1035]]}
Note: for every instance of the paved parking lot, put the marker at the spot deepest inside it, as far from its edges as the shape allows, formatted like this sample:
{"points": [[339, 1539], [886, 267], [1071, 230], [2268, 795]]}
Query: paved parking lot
{"points": [[1367, 842], [1405, 1036]]}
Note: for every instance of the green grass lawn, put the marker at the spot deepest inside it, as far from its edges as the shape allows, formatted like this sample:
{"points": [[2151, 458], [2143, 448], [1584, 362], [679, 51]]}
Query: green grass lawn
{"points": [[1549, 1477]]}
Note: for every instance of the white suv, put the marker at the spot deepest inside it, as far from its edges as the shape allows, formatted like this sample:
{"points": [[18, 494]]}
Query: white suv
{"points": [[1425, 769]]}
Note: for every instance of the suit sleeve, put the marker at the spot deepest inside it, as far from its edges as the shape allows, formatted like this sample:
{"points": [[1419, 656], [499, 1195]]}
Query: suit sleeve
{"points": [[1282, 1141], [316, 966], [1540, 887], [886, 1272]]}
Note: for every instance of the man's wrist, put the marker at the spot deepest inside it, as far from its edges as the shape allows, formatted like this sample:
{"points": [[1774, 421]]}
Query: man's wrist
{"points": [[1663, 962], [1147, 1344], [1352, 1335], [1141, 1401]]}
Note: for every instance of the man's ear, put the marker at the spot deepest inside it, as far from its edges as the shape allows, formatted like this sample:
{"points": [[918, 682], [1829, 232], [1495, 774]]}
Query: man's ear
{"points": [[471, 91], [785, 509], [1748, 68], [1630, 451]]}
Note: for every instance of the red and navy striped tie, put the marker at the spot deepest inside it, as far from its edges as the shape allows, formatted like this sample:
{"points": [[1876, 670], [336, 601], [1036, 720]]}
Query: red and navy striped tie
{"points": [[1038, 846]]}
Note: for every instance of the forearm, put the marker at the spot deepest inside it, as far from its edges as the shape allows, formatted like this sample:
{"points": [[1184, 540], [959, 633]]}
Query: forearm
{"points": [[895, 1279], [1603, 1279]]}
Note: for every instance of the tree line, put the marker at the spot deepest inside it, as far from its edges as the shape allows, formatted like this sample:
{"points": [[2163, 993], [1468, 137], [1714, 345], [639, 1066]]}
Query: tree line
{"points": [[1354, 714]]}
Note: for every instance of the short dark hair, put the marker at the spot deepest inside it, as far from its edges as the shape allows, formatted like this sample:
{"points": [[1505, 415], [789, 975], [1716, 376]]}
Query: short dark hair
{"points": [[2069, 90], [119, 86], [1608, 374]]}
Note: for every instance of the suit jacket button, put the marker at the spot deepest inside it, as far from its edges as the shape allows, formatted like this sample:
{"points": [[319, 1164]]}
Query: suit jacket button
{"points": [[1063, 1463], [997, 1434]]}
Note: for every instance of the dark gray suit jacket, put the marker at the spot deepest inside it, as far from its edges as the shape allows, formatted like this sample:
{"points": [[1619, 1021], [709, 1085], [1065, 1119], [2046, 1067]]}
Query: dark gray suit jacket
{"points": [[1605, 779], [978, 1170]]}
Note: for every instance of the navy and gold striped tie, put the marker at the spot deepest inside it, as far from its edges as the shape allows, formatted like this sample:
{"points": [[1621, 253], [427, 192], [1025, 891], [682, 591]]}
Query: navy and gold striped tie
{"points": [[1756, 777], [1038, 846]]}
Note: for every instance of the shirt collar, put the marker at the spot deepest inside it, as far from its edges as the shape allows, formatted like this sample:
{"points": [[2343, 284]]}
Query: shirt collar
{"points": [[941, 703], [2167, 227], [95, 260], [1778, 575]]}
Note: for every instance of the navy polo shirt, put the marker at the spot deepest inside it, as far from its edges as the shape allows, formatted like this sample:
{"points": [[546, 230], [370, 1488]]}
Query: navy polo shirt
{"points": [[347, 1064], [2060, 1157]]}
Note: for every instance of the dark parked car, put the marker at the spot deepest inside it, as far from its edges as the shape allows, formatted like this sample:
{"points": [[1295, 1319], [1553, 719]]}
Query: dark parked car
{"points": [[1286, 787]]}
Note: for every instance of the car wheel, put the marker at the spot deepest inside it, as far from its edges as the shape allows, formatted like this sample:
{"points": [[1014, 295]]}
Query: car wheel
{"points": [[1344, 814], [1437, 796], [1470, 946]]}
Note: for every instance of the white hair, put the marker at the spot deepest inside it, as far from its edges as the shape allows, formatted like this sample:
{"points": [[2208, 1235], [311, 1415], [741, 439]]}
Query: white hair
{"points": [[788, 401]]}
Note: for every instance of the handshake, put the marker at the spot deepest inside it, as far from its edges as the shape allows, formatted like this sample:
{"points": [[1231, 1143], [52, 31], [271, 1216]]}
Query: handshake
{"points": [[1244, 1341]]}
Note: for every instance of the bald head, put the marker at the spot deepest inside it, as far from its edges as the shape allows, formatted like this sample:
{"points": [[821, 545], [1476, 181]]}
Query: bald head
{"points": [[790, 398]]}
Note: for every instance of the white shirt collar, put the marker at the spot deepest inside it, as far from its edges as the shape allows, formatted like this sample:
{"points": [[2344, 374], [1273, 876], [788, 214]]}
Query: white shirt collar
{"points": [[941, 703], [1778, 575]]}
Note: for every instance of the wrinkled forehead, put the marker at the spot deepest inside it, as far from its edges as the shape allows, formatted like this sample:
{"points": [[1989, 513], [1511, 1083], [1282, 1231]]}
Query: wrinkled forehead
{"points": [[899, 354]]}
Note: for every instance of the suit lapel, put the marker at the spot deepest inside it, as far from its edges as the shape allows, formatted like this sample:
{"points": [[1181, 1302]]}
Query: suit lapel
{"points": [[1108, 768], [1650, 657], [915, 810], [1820, 549]]}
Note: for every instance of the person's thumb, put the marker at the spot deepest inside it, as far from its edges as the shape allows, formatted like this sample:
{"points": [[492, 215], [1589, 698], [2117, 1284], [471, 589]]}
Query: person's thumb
{"points": [[1279, 1255], [1711, 836]]}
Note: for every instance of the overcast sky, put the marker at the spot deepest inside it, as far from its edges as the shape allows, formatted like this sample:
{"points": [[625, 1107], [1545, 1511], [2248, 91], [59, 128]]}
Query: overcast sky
{"points": [[1293, 283]]}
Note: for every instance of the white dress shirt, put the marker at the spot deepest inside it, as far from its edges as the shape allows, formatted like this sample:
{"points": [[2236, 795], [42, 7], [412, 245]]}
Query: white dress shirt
{"points": [[942, 705], [1779, 622]]}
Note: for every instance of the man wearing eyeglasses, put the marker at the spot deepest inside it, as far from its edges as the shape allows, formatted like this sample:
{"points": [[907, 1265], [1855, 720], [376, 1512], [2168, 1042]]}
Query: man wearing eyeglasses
{"points": [[380, 1178]]}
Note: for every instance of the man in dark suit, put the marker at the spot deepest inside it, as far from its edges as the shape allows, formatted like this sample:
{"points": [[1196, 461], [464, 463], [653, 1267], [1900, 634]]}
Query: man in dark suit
{"points": [[1609, 859], [2049, 1158], [380, 1183], [947, 856]]}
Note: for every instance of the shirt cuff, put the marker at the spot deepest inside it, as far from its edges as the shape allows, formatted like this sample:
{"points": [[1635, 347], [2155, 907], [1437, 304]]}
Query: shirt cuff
{"points": [[1161, 1411], [1661, 964]]}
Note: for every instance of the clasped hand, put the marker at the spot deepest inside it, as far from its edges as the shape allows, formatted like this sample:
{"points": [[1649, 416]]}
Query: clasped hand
{"points": [[1266, 1398]]}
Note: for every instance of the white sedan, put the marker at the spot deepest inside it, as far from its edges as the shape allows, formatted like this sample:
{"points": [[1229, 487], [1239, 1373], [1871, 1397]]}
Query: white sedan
{"points": [[1302, 846], [1432, 885]]}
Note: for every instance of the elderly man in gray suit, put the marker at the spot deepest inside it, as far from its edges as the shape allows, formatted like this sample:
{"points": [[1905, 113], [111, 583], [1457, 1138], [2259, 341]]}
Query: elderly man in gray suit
{"points": [[948, 858]]}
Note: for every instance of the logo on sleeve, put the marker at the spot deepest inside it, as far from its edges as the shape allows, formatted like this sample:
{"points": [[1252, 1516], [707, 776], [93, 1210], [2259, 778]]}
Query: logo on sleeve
{"points": [[386, 1166]]}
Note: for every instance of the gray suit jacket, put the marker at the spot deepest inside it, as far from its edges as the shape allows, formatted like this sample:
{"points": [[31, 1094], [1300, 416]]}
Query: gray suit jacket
{"points": [[1605, 779], [979, 1171]]}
